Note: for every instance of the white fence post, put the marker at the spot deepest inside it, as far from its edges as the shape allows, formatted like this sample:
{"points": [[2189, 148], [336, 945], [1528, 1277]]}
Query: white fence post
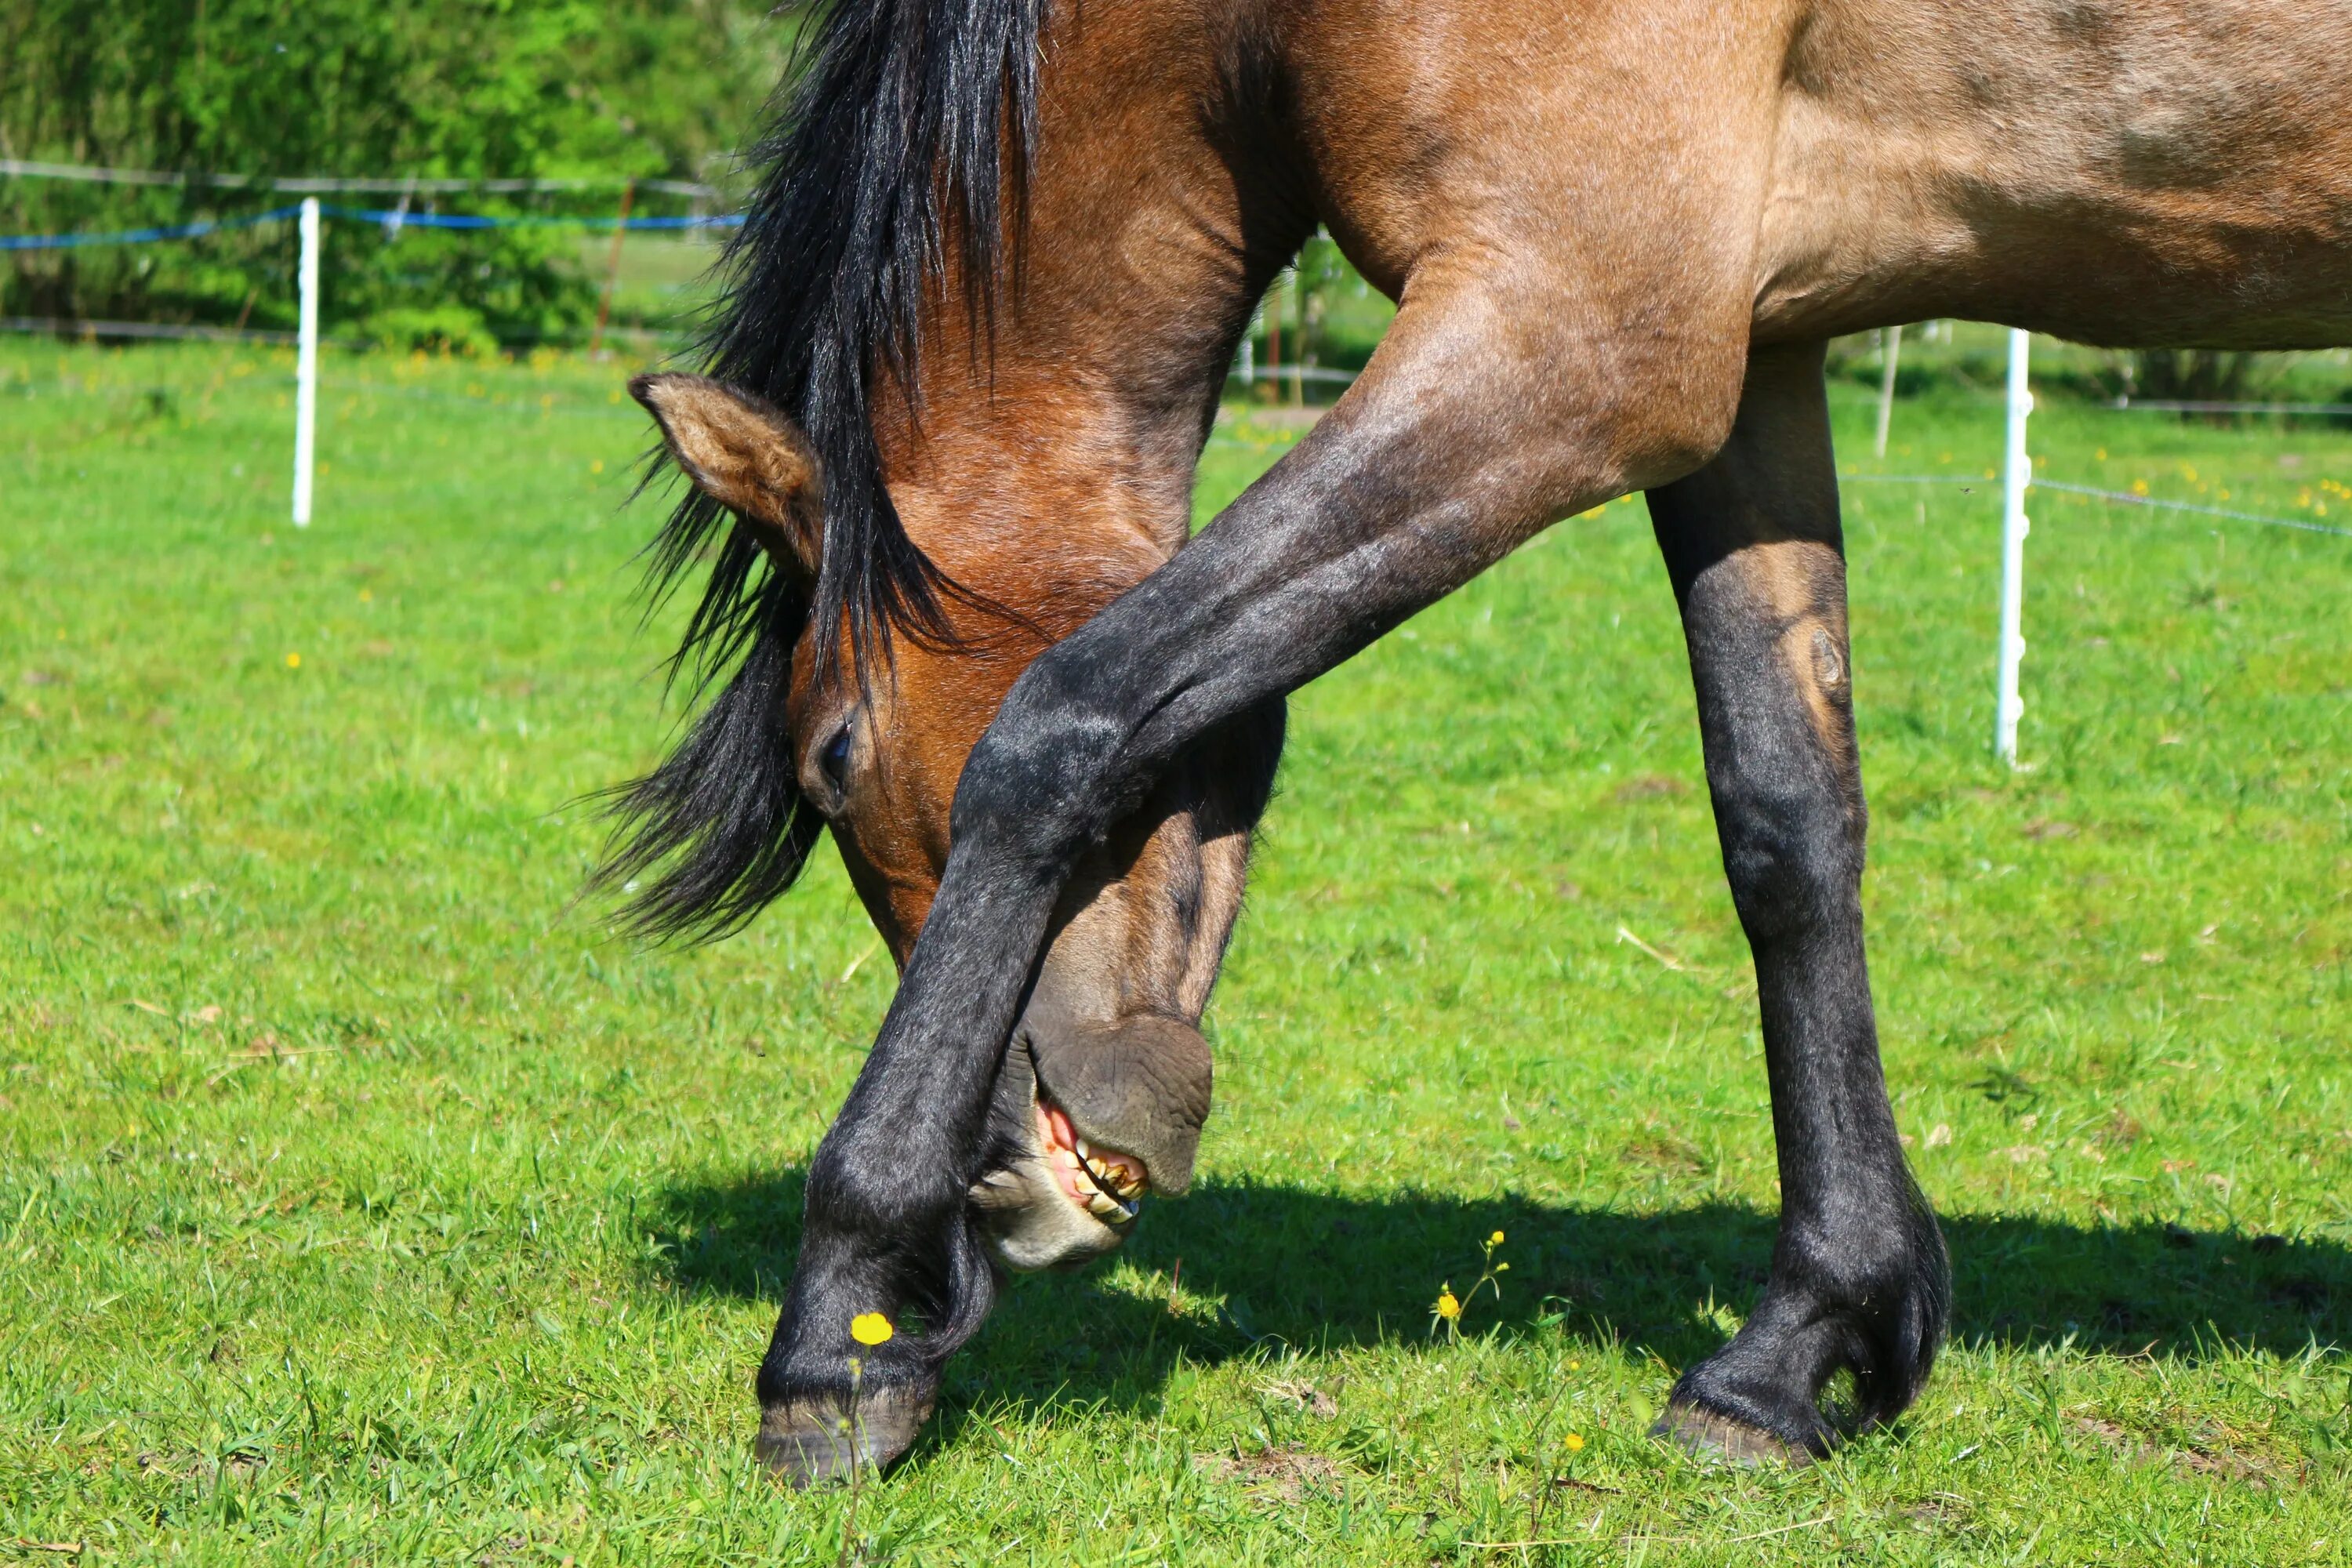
{"points": [[1893, 355], [306, 366], [2014, 529]]}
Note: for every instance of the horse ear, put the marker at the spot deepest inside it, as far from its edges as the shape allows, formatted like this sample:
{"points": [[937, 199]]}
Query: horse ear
{"points": [[746, 456]]}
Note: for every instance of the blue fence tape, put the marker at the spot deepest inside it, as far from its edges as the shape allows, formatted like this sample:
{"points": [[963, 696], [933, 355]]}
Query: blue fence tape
{"points": [[390, 217], [394, 218], [140, 235]]}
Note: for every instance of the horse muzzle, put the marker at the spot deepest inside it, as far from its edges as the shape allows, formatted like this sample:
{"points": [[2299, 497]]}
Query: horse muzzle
{"points": [[1087, 1117]]}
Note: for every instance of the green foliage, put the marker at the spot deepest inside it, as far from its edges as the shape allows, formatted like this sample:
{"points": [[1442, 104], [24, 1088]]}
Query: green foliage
{"points": [[1321, 313], [1944, 357], [482, 89], [360, 1201]]}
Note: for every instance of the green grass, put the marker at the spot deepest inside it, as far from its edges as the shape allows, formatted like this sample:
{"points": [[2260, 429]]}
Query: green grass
{"points": [[359, 1199]]}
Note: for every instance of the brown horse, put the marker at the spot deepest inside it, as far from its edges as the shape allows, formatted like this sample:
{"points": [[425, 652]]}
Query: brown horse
{"points": [[995, 274]]}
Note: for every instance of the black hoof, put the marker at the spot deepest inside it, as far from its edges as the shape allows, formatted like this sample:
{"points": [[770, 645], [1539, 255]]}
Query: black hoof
{"points": [[811, 1442], [1710, 1436]]}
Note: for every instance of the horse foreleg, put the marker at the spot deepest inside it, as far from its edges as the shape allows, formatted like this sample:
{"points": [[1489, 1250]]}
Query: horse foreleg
{"points": [[1859, 1275], [1429, 470]]}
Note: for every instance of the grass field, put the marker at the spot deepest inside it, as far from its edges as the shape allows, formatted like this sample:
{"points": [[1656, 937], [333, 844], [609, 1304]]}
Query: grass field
{"points": [[358, 1198]]}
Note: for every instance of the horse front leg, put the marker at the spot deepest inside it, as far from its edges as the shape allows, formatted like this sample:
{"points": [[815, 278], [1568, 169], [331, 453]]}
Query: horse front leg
{"points": [[1859, 1280], [1432, 467]]}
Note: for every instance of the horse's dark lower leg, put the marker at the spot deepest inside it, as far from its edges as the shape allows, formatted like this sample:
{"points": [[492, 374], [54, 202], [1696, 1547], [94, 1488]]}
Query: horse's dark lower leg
{"points": [[1859, 1277]]}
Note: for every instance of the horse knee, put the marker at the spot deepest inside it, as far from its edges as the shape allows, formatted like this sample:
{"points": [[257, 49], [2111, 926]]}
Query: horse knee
{"points": [[1041, 783]]}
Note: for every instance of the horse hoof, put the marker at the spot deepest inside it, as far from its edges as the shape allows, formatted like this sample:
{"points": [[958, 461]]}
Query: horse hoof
{"points": [[1709, 1436], [812, 1442]]}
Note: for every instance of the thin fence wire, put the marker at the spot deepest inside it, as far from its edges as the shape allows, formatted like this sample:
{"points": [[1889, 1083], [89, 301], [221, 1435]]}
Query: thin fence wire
{"points": [[392, 219], [2127, 498], [78, 327], [2123, 497], [2175, 405]]}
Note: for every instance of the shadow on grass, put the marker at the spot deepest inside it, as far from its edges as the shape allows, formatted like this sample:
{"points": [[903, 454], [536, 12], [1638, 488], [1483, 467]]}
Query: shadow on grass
{"points": [[1315, 1270]]}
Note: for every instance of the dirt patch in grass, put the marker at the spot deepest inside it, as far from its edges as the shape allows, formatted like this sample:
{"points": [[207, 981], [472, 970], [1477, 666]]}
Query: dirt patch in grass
{"points": [[2216, 1458], [1286, 1474]]}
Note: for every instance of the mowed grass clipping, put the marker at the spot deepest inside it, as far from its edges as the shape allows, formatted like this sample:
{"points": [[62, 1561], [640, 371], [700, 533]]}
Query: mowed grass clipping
{"points": [[360, 1198]]}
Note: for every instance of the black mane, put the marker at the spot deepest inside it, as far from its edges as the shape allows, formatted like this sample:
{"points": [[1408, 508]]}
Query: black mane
{"points": [[887, 147]]}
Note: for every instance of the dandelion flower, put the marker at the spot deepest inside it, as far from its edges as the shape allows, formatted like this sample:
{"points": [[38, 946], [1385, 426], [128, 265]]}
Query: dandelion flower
{"points": [[871, 1329], [1575, 1443], [1448, 1307], [1496, 1239], [293, 661]]}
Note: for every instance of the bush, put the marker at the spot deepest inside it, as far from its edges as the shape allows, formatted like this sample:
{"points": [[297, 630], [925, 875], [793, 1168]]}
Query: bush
{"points": [[440, 329]]}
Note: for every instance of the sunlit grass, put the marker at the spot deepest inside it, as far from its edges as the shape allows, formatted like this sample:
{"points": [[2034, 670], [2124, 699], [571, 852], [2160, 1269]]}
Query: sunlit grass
{"points": [[360, 1198]]}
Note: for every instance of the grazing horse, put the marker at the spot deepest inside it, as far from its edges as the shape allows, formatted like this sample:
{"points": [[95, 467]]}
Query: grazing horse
{"points": [[999, 259]]}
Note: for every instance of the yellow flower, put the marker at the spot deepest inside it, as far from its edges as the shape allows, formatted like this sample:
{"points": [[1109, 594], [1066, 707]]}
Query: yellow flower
{"points": [[1496, 1239], [871, 1329], [1447, 1306], [1575, 1443], [293, 661]]}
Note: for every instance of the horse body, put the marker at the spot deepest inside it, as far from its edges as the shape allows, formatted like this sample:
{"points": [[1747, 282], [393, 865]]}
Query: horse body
{"points": [[2174, 172], [1618, 234]]}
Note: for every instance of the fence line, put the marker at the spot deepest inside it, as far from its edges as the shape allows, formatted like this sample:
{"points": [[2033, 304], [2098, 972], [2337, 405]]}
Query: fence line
{"points": [[61, 326], [141, 236], [1256, 372], [332, 184], [394, 219], [2177, 406], [2127, 498]]}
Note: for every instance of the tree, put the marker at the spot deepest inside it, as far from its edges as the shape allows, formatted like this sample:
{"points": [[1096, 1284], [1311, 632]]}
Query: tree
{"points": [[473, 89]]}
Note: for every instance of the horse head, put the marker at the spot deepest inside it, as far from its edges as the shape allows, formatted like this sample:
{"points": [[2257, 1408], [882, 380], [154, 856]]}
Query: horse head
{"points": [[1103, 1089]]}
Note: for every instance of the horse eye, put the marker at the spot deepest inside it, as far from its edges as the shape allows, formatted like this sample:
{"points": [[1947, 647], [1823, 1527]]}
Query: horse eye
{"points": [[835, 761]]}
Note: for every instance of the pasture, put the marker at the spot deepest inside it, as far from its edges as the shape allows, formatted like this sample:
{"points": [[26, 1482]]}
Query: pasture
{"points": [[361, 1199]]}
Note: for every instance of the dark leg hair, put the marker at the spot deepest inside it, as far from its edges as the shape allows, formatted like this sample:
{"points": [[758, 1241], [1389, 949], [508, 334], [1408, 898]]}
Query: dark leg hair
{"points": [[1859, 1275]]}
